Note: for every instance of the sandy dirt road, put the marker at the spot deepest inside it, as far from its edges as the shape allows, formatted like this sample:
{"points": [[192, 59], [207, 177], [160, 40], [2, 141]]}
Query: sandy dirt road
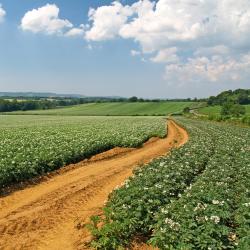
{"points": [[45, 216]]}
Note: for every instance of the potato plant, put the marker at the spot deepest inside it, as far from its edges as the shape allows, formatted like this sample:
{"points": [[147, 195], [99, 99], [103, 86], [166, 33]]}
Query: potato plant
{"points": [[205, 212], [195, 198], [33, 145]]}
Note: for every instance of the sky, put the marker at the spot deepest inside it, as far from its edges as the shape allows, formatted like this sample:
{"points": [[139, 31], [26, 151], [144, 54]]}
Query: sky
{"points": [[152, 49]]}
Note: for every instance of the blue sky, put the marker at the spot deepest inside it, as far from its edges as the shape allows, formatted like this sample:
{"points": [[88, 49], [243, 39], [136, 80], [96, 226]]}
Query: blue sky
{"points": [[127, 48]]}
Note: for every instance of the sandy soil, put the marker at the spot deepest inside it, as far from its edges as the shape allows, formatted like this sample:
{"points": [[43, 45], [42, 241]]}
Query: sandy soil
{"points": [[46, 215]]}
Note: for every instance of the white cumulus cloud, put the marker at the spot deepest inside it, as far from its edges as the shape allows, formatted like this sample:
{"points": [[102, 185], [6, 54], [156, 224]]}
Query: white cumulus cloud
{"points": [[76, 31], [212, 69], [197, 40], [45, 20], [107, 21], [166, 56], [201, 40], [2, 14]]}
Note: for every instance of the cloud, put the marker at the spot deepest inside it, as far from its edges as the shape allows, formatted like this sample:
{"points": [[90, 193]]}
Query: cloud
{"points": [[198, 40], [45, 20], [217, 50], [158, 25], [74, 32], [166, 56], [215, 69], [107, 21], [2, 14], [135, 52]]}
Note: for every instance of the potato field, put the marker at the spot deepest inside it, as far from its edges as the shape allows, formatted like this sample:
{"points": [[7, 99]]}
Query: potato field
{"points": [[196, 198], [33, 145]]}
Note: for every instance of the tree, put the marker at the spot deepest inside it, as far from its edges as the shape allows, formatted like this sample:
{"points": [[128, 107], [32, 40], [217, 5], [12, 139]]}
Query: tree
{"points": [[133, 99], [226, 109], [230, 109], [244, 99], [186, 110], [238, 110]]}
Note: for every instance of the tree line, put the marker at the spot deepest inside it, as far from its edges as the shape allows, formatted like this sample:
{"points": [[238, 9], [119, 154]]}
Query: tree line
{"points": [[238, 96]]}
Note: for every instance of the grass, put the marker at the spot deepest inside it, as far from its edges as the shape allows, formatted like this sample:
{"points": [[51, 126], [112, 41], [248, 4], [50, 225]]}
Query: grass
{"points": [[115, 109], [215, 110]]}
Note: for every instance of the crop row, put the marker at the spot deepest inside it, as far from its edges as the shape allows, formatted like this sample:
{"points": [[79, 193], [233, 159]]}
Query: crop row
{"points": [[196, 198], [204, 214], [33, 145]]}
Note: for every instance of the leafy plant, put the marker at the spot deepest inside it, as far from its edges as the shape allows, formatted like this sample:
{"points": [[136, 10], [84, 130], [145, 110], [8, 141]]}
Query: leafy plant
{"points": [[195, 198], [33, 145]]}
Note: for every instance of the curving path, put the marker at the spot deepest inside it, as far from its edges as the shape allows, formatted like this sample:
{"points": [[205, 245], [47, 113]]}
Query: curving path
{"points": [[46, 215]]}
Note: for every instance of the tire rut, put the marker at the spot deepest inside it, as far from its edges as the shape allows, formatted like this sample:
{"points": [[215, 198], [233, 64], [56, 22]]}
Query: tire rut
{"points": [[45, 216]]}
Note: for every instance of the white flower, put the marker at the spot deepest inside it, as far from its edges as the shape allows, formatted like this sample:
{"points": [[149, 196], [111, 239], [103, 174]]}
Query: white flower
{"points": [[173, 225], [200, 206], [215, 219], [216, 202], [164, 211]]}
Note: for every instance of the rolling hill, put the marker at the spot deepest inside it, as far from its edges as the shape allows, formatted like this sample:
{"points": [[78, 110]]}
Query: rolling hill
{"points": [[115, 109]]}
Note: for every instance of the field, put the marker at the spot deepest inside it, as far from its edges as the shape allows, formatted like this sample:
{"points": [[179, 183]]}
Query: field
{"points": [[116, 109], [215, 110], [196, 198], [33, 145]]}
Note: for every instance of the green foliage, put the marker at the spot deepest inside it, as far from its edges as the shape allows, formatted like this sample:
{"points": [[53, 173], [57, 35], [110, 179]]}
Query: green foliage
{"points": [[238, 110], [33, 145], [239, 116], [195, 198], [117, 109], [238, 96], [186, 110], [14, 105], [246, 120], [230, 109], [133, 99]]}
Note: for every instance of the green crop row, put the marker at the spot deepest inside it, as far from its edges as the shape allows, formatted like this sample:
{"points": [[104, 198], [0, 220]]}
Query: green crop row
{"points": [[33, 145], [205, 212], [196, 198]]}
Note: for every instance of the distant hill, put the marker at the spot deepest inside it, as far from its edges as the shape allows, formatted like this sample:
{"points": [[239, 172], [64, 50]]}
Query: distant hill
{"points": [[116, 109], [38, 94]]}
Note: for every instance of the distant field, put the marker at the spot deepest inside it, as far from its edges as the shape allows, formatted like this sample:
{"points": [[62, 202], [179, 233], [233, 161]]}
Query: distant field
{"points": [[215, 110], [115, 109]]}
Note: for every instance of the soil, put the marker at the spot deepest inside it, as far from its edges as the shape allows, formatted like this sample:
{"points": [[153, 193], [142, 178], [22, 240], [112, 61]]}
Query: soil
{"points": [[47, 215]]}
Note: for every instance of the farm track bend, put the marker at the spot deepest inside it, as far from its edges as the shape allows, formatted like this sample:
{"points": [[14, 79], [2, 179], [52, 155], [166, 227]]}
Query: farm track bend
{"points": [[46, 215]]}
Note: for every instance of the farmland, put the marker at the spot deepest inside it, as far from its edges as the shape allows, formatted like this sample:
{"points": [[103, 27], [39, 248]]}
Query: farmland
{"points": [[196, 198], [116, 109], [215, 110], [33, 145], [50, 211], [125, 125]]}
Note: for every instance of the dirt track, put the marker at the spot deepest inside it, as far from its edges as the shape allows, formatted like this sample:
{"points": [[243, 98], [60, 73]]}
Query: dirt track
{"points": [[45, 215]]}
